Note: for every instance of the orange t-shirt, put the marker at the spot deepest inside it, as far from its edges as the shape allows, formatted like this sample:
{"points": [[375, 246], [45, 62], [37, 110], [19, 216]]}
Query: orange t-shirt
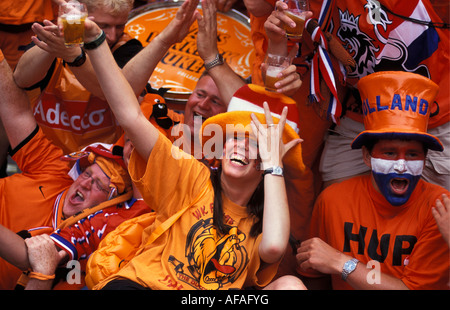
{"points": [[18, 12], [70, 116], [190, 254], [355, 219], [31, 199]]}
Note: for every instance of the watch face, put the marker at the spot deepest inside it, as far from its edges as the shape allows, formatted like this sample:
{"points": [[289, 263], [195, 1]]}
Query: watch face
{"points": [[350, 265], [277, 170]]}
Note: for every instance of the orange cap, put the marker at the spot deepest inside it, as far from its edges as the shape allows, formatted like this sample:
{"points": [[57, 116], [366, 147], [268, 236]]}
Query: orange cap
{"points": [[396, 105]]}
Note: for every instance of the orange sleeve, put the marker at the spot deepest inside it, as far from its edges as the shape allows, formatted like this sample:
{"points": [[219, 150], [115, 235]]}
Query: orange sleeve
{"points": [[21, 12]]}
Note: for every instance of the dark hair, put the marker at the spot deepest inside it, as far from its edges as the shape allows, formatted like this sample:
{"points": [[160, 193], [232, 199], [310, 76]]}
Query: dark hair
{"points": [[255, 205]]}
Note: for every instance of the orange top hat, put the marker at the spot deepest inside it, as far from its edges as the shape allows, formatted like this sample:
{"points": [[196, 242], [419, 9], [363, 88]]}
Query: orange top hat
{"points": [[396, 105]]}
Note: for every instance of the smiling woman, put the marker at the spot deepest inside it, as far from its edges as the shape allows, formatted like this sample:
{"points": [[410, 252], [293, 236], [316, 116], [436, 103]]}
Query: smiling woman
{"points": [[205, 247]]}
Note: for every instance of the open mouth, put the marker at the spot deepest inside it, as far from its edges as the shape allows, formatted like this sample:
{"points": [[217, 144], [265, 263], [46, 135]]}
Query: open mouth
{"points": [[199, 115], [399, 186], [78, 197], [223, 268], [239, 160]]}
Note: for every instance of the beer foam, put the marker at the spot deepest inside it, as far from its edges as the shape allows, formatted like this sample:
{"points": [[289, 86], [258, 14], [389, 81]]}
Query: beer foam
{"points": [[273, 71], [72, 16]]}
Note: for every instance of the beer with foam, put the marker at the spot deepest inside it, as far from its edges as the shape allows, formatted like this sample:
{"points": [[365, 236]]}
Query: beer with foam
{"points": [[299, 19], [73, 29], [71, 17], [271, 77], [273, 65]]}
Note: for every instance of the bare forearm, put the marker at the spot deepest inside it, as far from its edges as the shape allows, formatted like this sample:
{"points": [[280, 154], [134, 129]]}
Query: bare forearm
{"points": [[32, 67], [15, 113], [85, 74], [123, 101], [360, 279], [227, 81], [276, 222], [139, 69], [13, 249]]}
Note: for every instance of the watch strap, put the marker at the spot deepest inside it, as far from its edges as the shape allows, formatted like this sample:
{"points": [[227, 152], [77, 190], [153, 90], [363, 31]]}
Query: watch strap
{"points": [[79, 61], [345, 271], [216, 62], [278, 171]]}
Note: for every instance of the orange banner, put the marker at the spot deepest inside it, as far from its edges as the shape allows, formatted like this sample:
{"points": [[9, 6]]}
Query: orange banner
{"points": [[181, 67]]}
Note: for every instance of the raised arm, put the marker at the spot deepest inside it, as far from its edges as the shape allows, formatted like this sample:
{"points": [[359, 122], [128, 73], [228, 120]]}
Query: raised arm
{"points": [[139, 69], [35, 62], [278, 42], [15, 111], [227, 81], [276, 221], [120, 95]]}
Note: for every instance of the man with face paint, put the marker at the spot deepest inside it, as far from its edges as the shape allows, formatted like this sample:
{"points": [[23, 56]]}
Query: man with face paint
{"points": [[377, 231]]}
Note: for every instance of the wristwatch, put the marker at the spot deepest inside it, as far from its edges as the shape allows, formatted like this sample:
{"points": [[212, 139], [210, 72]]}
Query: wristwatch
{"points": [[216, 62], [79, 61], [349, 267], [277, 170]]}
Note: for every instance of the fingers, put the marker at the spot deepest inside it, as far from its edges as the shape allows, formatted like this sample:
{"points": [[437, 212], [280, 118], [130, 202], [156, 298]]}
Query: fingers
{"points": [[441, 206], [39, 240], [40, 32], [268, 115], [281, 5], [290, 81], [274, 24], [291, 144]]}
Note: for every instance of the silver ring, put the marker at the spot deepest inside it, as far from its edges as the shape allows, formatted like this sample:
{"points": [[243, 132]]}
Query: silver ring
{"points": [[270, 125]]}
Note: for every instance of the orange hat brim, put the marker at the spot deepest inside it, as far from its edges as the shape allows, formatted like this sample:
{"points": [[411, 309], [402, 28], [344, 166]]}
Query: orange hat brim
{"points": [[430, 141]]}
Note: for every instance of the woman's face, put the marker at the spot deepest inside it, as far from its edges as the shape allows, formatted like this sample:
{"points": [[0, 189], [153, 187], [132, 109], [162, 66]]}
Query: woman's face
{"points": [[240, 158]]}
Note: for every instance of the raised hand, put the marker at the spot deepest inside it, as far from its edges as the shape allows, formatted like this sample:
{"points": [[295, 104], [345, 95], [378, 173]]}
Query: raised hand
{"points": [[270, 144], [50, 39]]}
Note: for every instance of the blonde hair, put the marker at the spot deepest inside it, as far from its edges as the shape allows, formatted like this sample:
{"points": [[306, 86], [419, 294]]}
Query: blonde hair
{"points": [[113, 7]]}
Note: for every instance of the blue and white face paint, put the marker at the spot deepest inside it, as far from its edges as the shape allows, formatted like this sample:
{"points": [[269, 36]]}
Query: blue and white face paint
{"points": [[396, 179]]}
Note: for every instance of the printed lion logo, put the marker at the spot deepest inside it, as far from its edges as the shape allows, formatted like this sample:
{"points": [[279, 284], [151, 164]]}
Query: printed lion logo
{"points": [[214, 259], [359, 44]]}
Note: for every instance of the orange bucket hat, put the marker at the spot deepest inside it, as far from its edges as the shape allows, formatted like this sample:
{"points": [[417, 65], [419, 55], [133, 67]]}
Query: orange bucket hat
{"points": [[249, 99], [396, 105]]}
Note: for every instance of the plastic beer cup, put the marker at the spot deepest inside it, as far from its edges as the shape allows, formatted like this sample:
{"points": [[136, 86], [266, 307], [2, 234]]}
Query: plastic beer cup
{"points": [[71, 17], [297, 12], [274, 64]]}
